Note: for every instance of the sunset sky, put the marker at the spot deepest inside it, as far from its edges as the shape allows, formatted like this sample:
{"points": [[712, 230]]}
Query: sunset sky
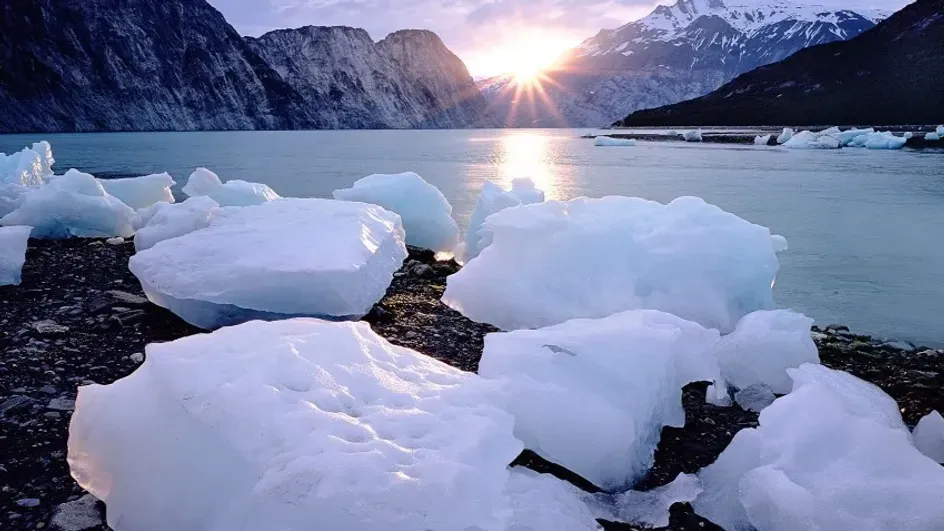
{"points": [[491, 36]]}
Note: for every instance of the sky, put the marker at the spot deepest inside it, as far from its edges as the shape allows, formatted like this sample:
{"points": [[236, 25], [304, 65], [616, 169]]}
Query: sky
{"points": [[491, 36]]}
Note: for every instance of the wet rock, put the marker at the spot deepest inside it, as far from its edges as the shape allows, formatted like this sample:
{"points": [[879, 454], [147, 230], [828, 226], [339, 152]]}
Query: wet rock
{"points": [[423, 271], [14, 403], [28, 502], [78, 515], [128, 299], [61, 404]]}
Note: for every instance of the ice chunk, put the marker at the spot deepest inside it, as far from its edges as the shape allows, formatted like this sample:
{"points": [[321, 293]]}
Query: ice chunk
{"points": [[779, 243], [717, 395], [314, 257], [29, 167], [608, 141], [809, 140], [74, 204], [609, 384], [426, 214], [541, 502], [10, 197], [754, 397], [170, 221], [301, 424], [932, 136], [491, 200], [908, 135], [555, 261], [762, 140], [651, 508], [231, 193], [832, 131], [879, 140], [691, 136], [847, 137], [929, 436], [816, 463], [785, 136], [141, 192], [763, 346], [939, 130], [13, 242]]}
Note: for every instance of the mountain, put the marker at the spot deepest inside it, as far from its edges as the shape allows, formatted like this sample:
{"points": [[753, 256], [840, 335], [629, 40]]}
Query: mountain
{"points": [[409, 79], [141, 65], [675, 53], [893, 74]]}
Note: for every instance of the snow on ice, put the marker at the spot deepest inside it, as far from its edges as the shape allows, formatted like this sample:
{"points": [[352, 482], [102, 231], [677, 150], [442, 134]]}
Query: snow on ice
{"points": [[929, 436], [491, 200], [609, 384], [688, 258], [231, 193], [141, 192], [608, 141], [426, 214], [13, 242], [164, 220], [311, 257], [825, 456]]}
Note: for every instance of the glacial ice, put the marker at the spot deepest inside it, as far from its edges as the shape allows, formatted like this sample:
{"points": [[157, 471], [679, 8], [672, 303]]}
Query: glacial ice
{"points": [[426, 214], [847, 137], [932, 136], [879, 140], [810, 140], [164, 220], [688, 258], [763, 346], [541, 502], [141, 192], [939, 130], [231, 193], [785, 136], [29, 167], [717, 394], [72, 205], [609, 384], [754, 397], [491, 200], [312, 257], [305, 425], [929, 436], [691, 136], [10, 197], [651, 508], [819, 460], [608, 141], [13, 241], [762, 140]]}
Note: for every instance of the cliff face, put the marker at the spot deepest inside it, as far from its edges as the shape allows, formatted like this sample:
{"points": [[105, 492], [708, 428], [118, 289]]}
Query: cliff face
{"points": [[892, 74], [140, 65]]}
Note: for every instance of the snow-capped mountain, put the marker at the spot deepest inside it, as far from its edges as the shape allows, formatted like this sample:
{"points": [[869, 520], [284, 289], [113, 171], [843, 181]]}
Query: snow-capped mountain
{"points": [[675, 53]]}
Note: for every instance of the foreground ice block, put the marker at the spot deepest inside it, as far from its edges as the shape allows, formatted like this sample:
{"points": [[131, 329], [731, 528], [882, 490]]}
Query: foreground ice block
{"points": [[491, 200], [13, 241], [763, 346], [608, 141], [929, 436], [141, 192], [593, 394], [164, 220], [555, 261], [426, 214], [288, 257], [300, 425], [29, 167], [231, 193], [826, 456], [72, 205], [541, 502]]}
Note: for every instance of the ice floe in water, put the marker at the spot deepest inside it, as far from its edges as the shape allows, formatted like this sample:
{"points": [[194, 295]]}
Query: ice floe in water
{"points": [[608, 141], [810, 140], [762, 140], [164, 220], [141, 192], [608, 384], [491, 200], [785, 136], [426, 214], [312, 257], [13, 242], [929, 436], [688, 258], [691, 136], [231, 193], [932, 136]]}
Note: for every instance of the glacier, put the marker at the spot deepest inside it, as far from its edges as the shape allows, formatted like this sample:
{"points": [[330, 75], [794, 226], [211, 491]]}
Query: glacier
{"points": [[13, 241], [607, 141], [203, 182], [493, 199], [141, 192], [310, 257], [163, 221], [424, 210]]}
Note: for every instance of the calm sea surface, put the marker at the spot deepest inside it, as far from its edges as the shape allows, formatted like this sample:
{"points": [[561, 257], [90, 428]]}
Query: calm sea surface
{"points": [[866, 228]]}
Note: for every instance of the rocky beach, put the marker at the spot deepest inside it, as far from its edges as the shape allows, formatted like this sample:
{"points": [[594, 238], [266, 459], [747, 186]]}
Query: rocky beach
{"points": [[79, 317]]}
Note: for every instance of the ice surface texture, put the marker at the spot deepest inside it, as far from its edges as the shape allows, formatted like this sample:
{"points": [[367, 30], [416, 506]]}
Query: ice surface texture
{"points": [[426, 214], [608, 141], [163, 221], [141, 192], [608, 384], [831, 455], [312, 257], [491, 200], [13, 242], [231, 193], [555, 261], [72, 205]]}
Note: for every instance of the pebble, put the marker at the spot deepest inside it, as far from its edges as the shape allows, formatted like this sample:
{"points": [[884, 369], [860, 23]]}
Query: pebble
{"points": [[13, 403], [49, 328], [77, 515], [61, 404], [28, 502], [137, 357], [128, 298]]}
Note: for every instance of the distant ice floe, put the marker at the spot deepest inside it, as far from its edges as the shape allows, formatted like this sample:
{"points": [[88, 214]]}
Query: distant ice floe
{"points": [[762, 140], [833, 138], [608, 141], [785, 136], [691, 136]]}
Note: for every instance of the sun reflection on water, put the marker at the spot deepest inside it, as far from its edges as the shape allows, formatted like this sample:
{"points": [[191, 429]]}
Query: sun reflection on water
{"points": [[528, 155]]}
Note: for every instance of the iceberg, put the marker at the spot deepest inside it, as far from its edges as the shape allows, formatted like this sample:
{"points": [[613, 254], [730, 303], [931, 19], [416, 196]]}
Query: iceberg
{"points": [[300, 424], [586, 258], [609, 384], [13, 241], [823, 457], [879, 140], [763, 346], [762, 140], [847, 137], [608, 141], [491, 200], [310, 257], [785, 136], [31, 166], [426, 214], [810, 140], [939, 130], [832, 131], [72, 205], [231, 193], [141, 192], [691, 136], [164, 220], [929, 436], [932, 136]]}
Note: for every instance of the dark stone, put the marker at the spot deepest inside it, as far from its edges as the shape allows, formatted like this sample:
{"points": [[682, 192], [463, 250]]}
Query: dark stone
{"points": [[14, 403]]}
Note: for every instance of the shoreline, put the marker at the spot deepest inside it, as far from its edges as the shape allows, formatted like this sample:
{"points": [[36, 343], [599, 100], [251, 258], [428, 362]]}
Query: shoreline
{"points": [[80, 317]]}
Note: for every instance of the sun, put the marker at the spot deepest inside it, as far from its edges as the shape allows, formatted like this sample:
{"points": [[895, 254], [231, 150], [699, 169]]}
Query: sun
{"points": [[522, 56], [526, 72]]}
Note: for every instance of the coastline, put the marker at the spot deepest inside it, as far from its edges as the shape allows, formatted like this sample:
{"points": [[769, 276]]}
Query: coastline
{"points": [[79, 317]]}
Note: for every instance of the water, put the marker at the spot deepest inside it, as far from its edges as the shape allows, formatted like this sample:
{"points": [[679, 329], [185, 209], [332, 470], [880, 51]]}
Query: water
{"points": [[865, 227]]}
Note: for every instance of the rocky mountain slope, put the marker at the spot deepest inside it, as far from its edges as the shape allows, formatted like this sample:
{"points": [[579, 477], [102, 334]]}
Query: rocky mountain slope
{"points": [[675, 53], [133, 65], [892, 74]]}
